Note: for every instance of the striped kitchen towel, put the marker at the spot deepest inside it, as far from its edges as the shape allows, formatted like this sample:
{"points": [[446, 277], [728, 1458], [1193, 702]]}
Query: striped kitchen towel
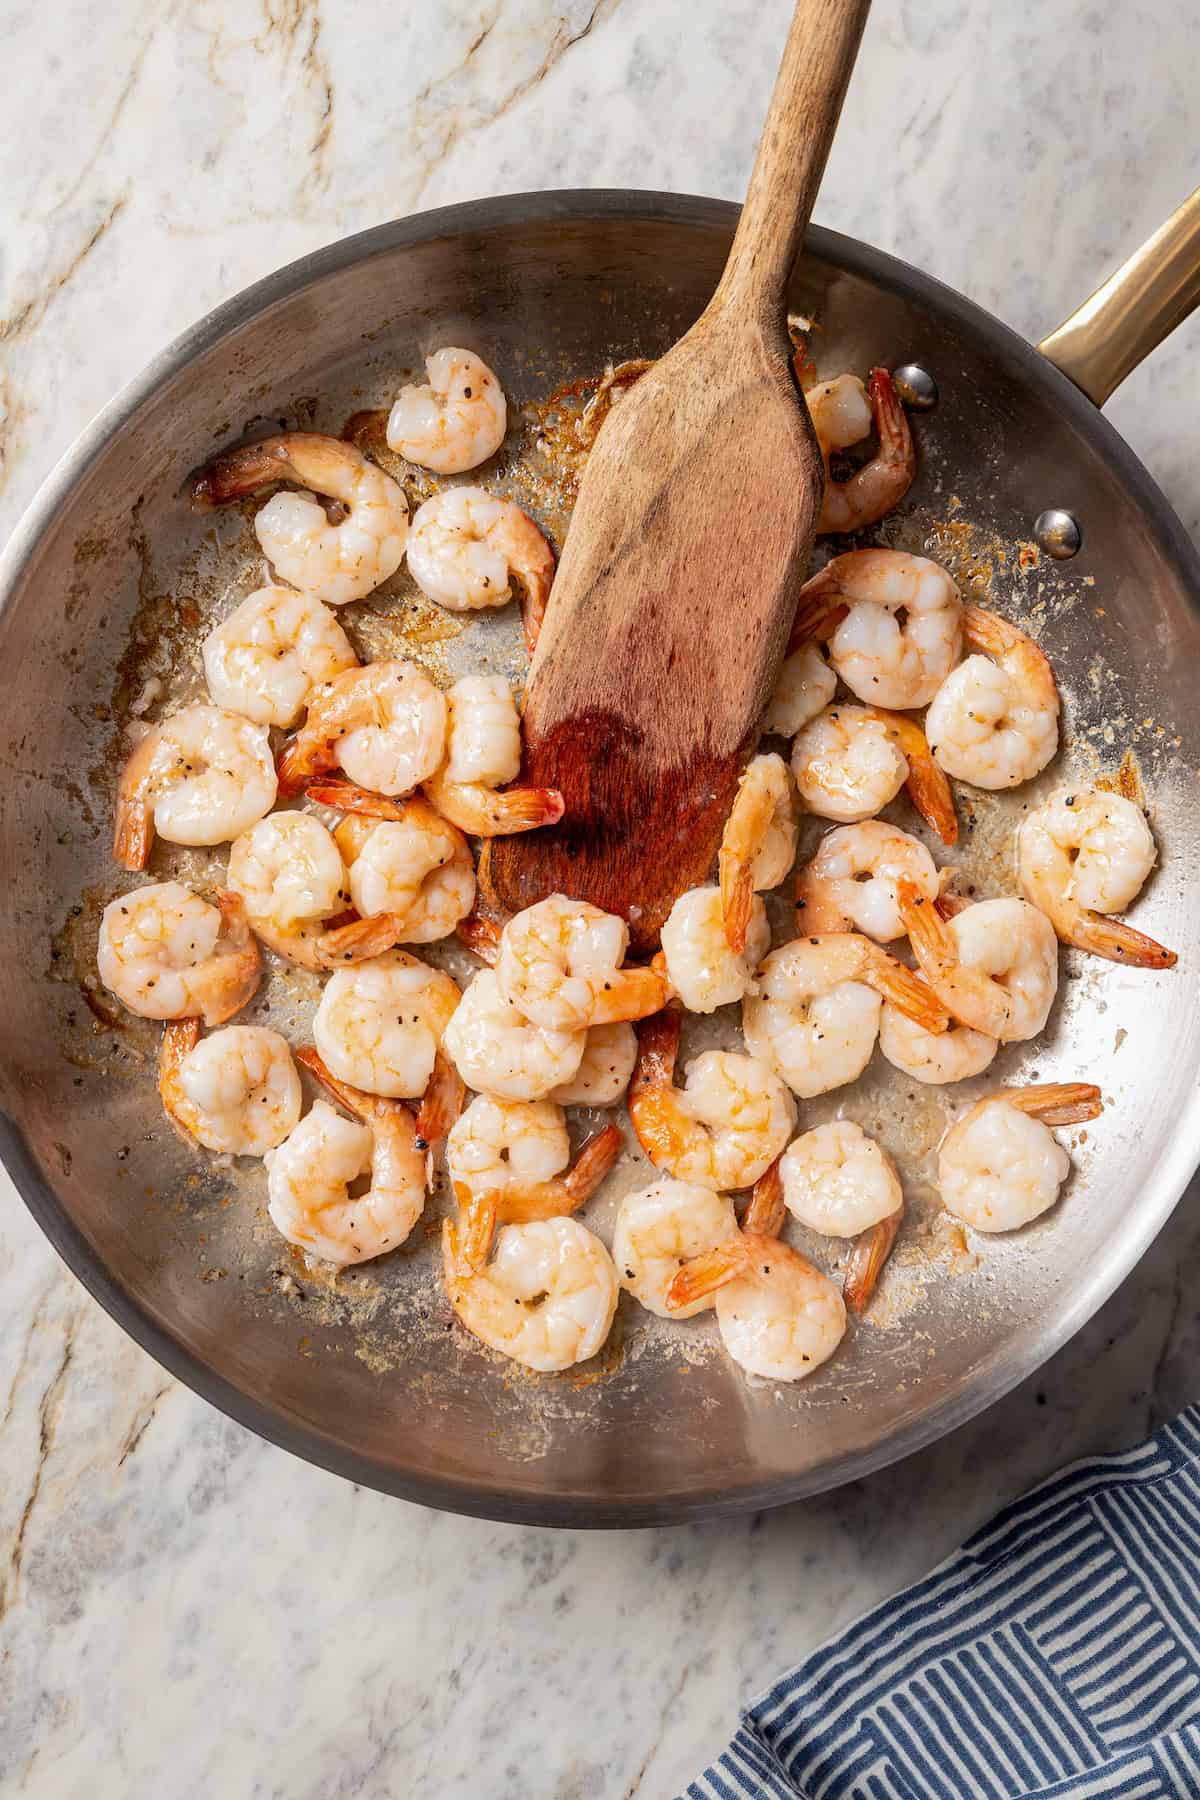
{"points": [[1057, 1655]]}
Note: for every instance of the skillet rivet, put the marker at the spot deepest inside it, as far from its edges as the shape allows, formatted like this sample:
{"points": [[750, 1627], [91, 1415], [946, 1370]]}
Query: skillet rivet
{"points": [[1057, 533], [915, 386]]}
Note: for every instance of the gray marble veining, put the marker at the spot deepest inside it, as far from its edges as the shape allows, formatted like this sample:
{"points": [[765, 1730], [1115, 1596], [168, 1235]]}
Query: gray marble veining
{"points": [[184, 1609]]}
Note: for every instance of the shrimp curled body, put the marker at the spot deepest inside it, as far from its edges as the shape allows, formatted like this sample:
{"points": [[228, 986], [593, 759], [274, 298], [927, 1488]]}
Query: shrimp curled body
{"points": [[547, 1297], [453, 422], [1082, 856], [167, 954], [201, 777], [235, 1091], [266, 658], [336, 562], [724, 1127]]}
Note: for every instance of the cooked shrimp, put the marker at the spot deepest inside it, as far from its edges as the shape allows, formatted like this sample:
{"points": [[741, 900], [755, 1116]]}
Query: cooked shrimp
{"points": [[1084, 854], [867, 1258], [464, 546], [902, 632], [816, 1015], [507, 1143], [850, 883], [310, 1176], [380, 1023], [758, 847], [411, 878], [547, 1297], [290, 873], [512, 1154], [850, 761], [804, 687], [999, 1167], [560, 965], [384, 725], [838, 1181], [994, 720], [456, 421], [235, 1091], [202, 776], [701, 967], [339, 562], [265, 659], [842, 413], [726, 1124], [661, 1228], [609, 1053], [483, 751], [498, 1051], [935, 1058], [779, 1317], [847, 764], [167, 954], [994, 965]]}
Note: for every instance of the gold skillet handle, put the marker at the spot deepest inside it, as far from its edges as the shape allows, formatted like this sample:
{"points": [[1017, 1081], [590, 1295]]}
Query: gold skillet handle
{"points": [[1133, 311]]}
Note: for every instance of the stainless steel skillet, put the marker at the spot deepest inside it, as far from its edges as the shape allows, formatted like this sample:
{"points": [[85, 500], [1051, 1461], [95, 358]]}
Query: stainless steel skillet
{"points": [[367, 1378]]}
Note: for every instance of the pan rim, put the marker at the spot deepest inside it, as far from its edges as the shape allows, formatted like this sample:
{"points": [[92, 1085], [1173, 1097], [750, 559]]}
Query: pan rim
{"points": [[989, 1382]]}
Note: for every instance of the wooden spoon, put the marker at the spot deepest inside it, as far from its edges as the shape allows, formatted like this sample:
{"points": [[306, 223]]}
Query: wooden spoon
{"points": [[687, 548]]}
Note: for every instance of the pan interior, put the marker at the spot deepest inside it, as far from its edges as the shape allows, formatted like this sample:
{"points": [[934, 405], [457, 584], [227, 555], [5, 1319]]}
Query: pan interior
{"points": [[115, 579]]}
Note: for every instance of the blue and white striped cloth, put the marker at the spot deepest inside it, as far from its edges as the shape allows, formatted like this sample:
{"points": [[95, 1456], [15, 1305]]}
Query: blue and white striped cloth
{"points": [[1057, 1655]]}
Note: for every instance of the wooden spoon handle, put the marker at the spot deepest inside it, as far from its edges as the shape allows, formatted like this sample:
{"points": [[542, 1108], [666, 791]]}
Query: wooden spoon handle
{"points": [[813, 76]]}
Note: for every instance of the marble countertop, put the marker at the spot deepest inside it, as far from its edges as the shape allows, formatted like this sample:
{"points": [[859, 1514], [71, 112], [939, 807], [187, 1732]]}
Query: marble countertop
{"points": [[319, 1640]]}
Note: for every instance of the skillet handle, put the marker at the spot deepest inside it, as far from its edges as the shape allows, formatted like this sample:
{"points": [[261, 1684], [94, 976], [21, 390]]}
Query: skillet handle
{"points": [[1134, 310]]}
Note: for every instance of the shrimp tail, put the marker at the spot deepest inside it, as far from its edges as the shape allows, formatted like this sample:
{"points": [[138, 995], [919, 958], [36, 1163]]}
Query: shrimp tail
{"points": [[489, 812], [705, 1274], [988, 632], [481, 936], [765, 1213], [442, 1102], [533, 612], [593, 1163], [819, 612], [931, 938], [930, 793], [179, 1038], [658, 1046], [906, 991], [525, 809], [891, 424], [1118, 942], [476, 1227], [348, 797], [736, 875], [296, 763], [314, 1062], [1004, 641], [652, 1100], [927, 786], [558, 1199], [868, 1255], [358, 940], [133, 833], [632, 993], [239, 472], [1057, 1102], [233, 977]]}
